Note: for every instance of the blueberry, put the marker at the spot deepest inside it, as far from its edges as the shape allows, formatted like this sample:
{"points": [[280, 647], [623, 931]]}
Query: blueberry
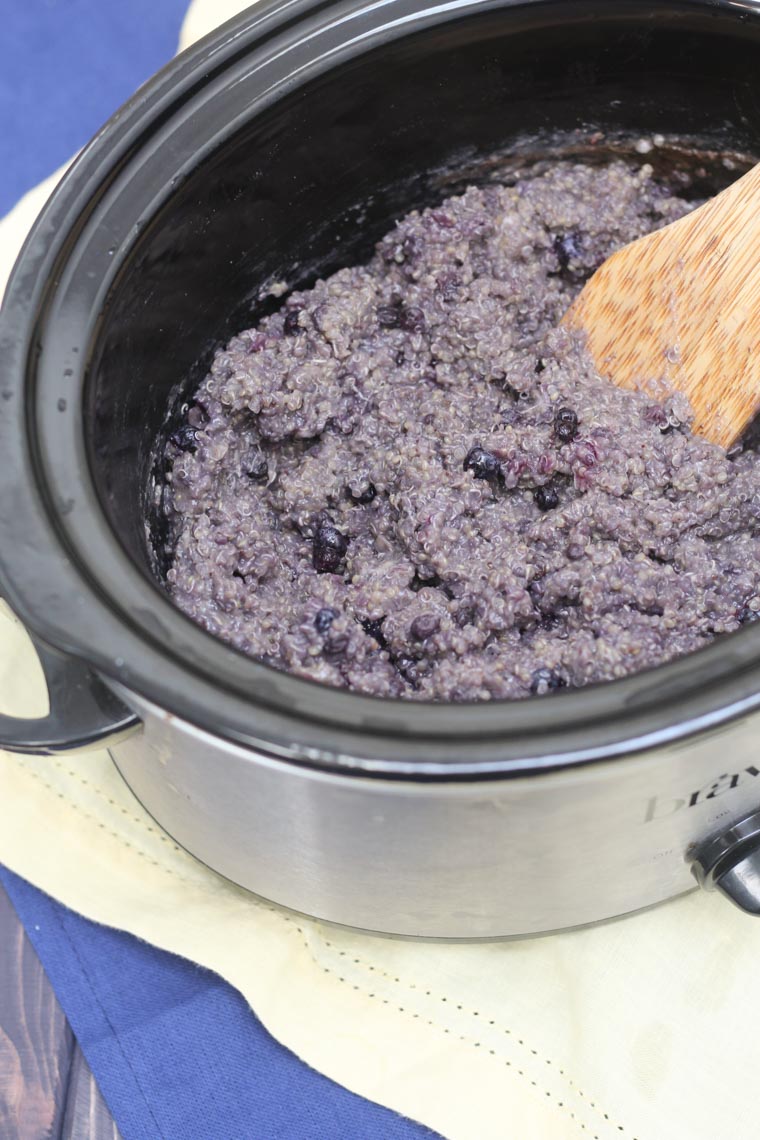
{"points": [[656, 415], [399, 358], [546, 681], [546, 497], [587, 453], [185, 438], [448, 286], [467, 613], [258, 472], [483, 464], [407, 667], [411, 319], [365, 496], [424, 627], [324, 619], [290, 325], [746, 615], [329, 548], [397, 315], [389, 316], [568, 248], [565, 424], [536, 589]]}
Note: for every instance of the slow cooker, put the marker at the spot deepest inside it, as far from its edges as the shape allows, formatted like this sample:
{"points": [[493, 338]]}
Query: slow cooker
{"points": [[281, 147]]}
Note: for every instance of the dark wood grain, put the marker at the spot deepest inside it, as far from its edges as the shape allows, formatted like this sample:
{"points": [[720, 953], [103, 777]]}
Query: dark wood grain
{"points": [[85, 1115], [47, 1092]]}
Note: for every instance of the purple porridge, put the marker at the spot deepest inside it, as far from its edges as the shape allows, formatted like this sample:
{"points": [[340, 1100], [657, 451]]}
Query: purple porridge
{"points": [[409, 482]]}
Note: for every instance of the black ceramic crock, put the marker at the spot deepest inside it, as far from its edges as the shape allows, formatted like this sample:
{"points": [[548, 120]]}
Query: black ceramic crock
{"points": [[282, 147]]}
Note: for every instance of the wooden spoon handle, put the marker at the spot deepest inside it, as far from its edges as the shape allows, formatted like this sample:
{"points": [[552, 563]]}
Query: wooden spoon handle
{"points": [[682, 305]]}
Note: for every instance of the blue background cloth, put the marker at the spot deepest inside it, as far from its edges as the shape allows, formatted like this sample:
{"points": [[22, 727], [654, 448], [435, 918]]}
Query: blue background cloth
{"points": [[176, 1051], [65, 66]]}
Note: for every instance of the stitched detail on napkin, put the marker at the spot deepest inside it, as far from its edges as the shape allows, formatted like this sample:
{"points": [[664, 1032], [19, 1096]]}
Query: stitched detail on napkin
{"points": [[160, 835], [472, 1042], [573, 1087], [114, 834]]}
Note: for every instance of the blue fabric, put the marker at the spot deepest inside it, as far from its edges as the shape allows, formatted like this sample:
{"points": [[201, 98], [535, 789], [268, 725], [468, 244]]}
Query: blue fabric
{"points": [[176, 1051], [65, 66]]}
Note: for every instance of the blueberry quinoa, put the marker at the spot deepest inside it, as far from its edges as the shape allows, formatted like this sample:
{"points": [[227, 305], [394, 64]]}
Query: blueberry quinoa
{"points": [[409, 482]]}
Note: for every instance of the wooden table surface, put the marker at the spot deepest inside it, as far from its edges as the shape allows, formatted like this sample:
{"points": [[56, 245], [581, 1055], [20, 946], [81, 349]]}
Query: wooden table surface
{"points": [[47, 1091]]}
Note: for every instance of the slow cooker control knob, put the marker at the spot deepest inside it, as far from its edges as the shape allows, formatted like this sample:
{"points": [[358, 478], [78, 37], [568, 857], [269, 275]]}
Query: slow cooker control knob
{"points": [[730, 863]]}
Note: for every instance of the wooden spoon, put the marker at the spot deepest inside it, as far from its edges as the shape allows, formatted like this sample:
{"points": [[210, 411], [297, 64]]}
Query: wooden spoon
{"points": [[682, 305]]}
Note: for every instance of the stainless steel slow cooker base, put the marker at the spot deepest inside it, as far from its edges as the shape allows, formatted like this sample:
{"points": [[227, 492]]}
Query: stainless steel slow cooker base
{"points": [[444, 859], [302, 915]]}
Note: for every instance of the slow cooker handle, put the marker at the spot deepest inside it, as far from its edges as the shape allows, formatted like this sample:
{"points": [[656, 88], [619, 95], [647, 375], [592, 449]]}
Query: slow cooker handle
{"points": [[83, 714]]}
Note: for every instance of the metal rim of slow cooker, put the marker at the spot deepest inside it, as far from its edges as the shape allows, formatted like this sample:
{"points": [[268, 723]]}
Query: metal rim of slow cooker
{"points": [[159, 654]]}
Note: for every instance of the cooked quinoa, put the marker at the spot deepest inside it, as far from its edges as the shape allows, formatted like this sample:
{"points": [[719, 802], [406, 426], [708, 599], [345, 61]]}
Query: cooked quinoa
{"points": [[410, 482]]}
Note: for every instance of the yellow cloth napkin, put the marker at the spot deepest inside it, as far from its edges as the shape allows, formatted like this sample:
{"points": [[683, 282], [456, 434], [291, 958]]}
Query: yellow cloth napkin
{"points": [[640, 1029]]}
